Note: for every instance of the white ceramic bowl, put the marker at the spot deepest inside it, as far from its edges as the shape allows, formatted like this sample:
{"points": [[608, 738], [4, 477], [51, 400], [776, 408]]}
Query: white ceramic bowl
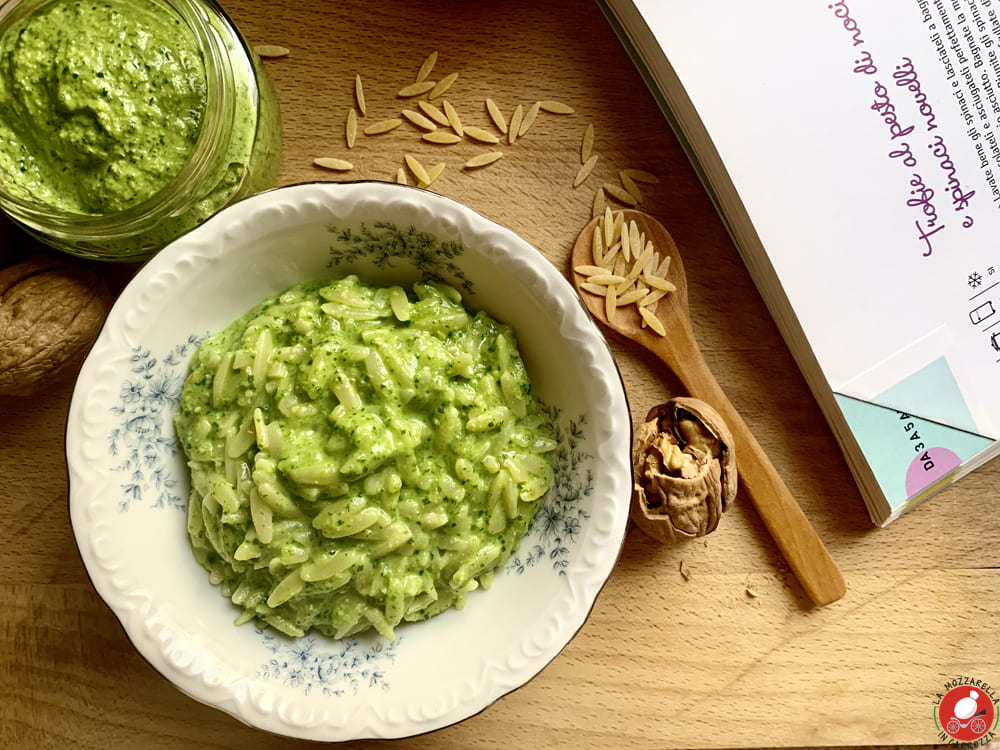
{"points": [[128, 483]]}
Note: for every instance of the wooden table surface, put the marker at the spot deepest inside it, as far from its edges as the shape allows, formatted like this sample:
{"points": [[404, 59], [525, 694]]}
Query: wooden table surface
{"points": [[706, 644]]}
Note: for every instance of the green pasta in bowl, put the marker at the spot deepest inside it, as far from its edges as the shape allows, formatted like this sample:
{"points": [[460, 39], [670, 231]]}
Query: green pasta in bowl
{"points": [[349, 460], [360, 456]]}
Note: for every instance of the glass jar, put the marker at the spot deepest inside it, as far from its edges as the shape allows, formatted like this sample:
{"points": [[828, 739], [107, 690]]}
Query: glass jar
{"points": [[111, 154]]}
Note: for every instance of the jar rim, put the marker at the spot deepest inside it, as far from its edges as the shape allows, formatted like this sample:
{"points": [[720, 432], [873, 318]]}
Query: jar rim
{"points": [[176, 196]]}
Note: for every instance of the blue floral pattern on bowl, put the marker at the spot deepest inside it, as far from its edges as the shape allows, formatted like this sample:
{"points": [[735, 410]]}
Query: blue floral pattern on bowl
{"points": [[333, 667], [385, 244], [144, 440], [559, 521]]}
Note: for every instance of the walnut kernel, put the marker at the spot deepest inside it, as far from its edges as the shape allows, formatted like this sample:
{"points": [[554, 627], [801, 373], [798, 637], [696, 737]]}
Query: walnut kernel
{"points": [[685, 470]]}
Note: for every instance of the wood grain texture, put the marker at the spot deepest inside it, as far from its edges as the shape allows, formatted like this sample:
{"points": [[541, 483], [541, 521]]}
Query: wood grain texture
{"points": [[730, 655]]}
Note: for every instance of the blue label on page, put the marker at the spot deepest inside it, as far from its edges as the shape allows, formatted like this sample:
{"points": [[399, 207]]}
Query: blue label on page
{"points": [[909, 453]]}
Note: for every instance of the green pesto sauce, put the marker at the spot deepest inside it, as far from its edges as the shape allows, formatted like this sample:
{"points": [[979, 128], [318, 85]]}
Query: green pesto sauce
{"points": [[100, 103], [360, 456]]}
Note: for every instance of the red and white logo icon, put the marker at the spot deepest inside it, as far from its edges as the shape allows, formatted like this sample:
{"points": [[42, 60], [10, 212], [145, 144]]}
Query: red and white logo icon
{"points": [[966, 714]]}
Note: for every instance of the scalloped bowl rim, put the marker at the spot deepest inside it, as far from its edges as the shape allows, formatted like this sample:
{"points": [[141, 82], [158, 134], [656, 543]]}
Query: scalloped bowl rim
{"points": [[185, 656]]}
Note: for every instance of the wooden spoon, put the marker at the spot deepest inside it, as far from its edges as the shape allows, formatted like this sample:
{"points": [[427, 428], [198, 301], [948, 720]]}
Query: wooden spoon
{"points": [[781, 514]]}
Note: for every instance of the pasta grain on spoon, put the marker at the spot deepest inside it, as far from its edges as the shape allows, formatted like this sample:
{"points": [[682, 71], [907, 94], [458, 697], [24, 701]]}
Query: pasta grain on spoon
{"points": [[677, 348]]}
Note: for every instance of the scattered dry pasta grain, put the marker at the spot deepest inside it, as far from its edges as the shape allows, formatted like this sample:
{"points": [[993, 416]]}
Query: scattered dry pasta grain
{"points": [[401, 176], [428, 117], [587, 144], [597, 289], [416, 168], [359, 94], [635, 241], [630, 186], [426, 67], [653, 297], [597, 246], [433, 113], [611, 255], [608, 222], [331, 162], [433, 173], [528, 120], [514, 126], [418, 119], [599, 203], [584, 172], [351, 127], [606, 278], [641, 175], [650, 319], [639, 266], [621, 264], [443, 137], [610, 303], [271, 50], [496, 116], [482, 160], [664, 266], [443, 85], [620, 194], [658, 283], [383, 126], [632, 296], [479, 134], [415, 89], [452, 114], [555, 108], [617, 223]]}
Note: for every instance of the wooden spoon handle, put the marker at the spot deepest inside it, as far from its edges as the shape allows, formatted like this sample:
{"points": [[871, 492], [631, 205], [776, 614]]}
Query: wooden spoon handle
{"points": [[781, 514], [793, 533]]}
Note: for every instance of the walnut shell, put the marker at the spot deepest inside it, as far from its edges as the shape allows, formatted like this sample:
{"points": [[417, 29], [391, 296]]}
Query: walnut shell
{"points": [[51, 311], [685, 471]]}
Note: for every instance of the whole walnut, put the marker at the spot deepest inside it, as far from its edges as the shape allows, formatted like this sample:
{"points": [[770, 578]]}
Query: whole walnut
{"points": [[685, 470], [51, 310]]}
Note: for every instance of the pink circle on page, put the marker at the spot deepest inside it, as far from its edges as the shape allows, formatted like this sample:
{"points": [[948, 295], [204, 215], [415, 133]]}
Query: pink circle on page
{"points": [[929, 467]]}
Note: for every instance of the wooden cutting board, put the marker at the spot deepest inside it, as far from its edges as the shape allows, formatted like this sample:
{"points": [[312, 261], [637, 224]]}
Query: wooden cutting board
{"points": [[707, 644]]}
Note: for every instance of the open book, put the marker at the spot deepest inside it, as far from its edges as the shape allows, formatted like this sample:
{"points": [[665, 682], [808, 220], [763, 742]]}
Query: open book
{"points": [[853, 150]]}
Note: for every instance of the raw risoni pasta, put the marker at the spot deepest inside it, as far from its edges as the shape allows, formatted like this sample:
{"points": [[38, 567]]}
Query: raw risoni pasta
{"points": [[423, 90]]}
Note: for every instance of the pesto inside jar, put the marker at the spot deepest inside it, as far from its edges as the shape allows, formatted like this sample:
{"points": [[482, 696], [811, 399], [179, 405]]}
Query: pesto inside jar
{"points": [[104, 106]]}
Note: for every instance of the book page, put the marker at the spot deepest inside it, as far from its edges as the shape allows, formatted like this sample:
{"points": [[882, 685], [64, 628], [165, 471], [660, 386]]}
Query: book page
{"points": [[864, 140]]}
